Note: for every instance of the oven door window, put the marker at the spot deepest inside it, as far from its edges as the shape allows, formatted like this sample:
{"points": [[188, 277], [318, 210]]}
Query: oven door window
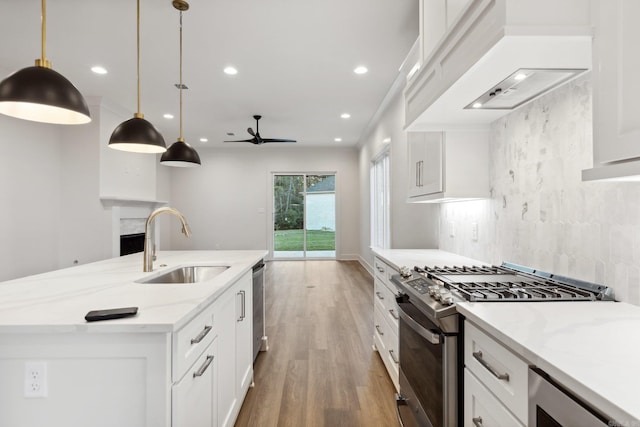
{"points": [[421, 361]]}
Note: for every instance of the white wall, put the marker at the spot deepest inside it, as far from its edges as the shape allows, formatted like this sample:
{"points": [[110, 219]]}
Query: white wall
{"points": [[413, 226], [541, 214], [30, 189], [227, 201]]}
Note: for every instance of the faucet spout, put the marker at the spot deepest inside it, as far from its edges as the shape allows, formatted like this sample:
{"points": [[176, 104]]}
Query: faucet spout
{"points": [[148, 243]]}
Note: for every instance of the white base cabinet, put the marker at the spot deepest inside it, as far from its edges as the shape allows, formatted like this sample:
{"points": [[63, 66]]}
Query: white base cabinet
{"points": [[385, 319], [196, 376]]}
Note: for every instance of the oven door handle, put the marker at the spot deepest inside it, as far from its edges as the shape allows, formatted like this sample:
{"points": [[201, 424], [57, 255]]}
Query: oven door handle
{"points": [[432, 337]]}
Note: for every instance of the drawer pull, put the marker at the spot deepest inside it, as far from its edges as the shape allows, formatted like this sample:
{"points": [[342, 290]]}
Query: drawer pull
{"points": [[478, 356], [393, 357], [201, 335], [380, 269], [379, 295], [379, 331], [477, 421], [393, 314], [200, 372]]}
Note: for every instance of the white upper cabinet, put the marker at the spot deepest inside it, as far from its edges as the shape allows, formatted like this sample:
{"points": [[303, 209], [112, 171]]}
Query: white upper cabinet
{"points": [[470, 47], [616, 90], [448, 166]]}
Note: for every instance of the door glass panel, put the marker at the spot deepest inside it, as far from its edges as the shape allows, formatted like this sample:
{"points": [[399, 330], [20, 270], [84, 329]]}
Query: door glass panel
{"points": [[288, 216], [320, 224]]}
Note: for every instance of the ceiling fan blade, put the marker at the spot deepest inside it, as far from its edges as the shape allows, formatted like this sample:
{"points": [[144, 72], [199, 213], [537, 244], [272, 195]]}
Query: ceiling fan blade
{"points": [[278, 140], [243, 140], [251, 132]]}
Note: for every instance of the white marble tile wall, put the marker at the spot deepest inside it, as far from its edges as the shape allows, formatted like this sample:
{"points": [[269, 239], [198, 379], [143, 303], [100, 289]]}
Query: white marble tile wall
{"points": [[540, 213]]}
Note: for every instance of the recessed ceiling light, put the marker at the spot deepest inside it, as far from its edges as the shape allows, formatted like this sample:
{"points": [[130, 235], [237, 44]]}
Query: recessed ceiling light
{"points": [[520, 76], [168, 116], [337, 139], [361, 69], [204, 140], [345, 115], [386, 140], [477, 105], [99, 70], [232, 71]]}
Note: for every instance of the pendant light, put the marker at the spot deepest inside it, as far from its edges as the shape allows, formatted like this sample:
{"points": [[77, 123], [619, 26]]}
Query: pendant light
{"points": [[41, 94], [137, 134], [180, 154]]}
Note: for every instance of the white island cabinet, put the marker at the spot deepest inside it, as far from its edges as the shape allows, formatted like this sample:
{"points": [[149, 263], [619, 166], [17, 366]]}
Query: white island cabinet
{"points": [[185, 360]]}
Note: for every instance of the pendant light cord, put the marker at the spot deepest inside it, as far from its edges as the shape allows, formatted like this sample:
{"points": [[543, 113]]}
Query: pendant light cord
{"points": [[44, 30], [138, 114], [181, 138]]}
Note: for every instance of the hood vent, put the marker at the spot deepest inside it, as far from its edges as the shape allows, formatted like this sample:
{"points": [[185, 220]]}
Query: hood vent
{"points": [[522, 86]]}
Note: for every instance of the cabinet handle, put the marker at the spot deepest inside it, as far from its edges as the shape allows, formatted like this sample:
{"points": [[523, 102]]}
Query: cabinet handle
{"points": [[477, 421], [393, 314], [420, 175], [201, 335], [478, 356], [204, 367], [379, 295], [417, 174], [393, 357], [380, 269], [242, 307], [378, 329]]}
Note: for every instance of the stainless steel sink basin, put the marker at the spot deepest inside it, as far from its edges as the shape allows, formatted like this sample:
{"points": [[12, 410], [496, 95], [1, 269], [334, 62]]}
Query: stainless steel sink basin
{"points": [[188, 274]]}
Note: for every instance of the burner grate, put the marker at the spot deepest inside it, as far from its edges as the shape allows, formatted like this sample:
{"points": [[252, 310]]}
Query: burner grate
{"points": [[523, 290]]}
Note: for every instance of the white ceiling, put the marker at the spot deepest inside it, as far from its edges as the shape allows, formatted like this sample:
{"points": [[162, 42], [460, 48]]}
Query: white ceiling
{"points": [[295, 60]]}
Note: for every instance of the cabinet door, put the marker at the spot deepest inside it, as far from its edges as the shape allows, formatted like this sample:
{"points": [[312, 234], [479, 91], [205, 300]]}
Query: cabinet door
{"points": [[194, 396], [616, 88], [225, 317], [244, 335], [425, 163]]}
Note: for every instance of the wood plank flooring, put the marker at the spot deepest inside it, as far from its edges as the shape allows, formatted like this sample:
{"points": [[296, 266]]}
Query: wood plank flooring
{"points": [[321, 369]]}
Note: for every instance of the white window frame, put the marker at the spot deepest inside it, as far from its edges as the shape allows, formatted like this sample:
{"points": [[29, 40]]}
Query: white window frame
{"points": [[380, 200]]}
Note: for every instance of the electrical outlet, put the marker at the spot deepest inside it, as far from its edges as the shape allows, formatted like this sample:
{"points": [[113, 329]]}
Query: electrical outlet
{"points": [[474, 231], [35, 379]]}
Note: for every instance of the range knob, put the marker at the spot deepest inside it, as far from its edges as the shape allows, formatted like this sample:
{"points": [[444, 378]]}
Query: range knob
{"points": [[405, 272], [447, 300], [442, 294], [433, 290]]}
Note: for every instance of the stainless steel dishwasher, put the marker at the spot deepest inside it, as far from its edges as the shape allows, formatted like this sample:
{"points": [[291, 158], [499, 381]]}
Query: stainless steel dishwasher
{"points": [[260, 342]]}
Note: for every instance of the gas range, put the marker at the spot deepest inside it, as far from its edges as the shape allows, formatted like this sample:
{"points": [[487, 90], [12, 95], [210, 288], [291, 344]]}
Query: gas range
{"points": [[436, 290]]}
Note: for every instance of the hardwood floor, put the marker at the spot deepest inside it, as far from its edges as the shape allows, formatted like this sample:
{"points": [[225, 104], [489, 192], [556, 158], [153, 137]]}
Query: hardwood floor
{"points": [[321, 369]]}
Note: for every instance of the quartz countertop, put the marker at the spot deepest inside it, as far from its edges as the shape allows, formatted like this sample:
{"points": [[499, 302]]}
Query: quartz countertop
{"points": [[592, 348], [57, 301]]}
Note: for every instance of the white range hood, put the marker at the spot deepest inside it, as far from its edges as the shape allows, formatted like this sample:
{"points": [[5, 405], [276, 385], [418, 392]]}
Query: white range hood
{"points": [[480, 59]]}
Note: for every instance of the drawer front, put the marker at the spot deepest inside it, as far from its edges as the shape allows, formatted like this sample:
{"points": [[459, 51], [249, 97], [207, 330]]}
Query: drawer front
{"points": [[380, 297], [380, 268], [190, 341], [500, 370], [482, 409]]}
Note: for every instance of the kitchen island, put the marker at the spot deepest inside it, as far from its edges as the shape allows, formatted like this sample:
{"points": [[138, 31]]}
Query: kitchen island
{"points": [[184, 359]]}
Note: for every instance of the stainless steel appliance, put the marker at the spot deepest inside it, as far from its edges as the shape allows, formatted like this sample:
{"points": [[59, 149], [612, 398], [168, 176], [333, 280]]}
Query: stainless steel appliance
{"points": [[431, 386], [259, 336], [551, 405]]}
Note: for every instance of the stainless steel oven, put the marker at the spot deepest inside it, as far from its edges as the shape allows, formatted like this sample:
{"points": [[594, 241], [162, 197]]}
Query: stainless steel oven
{"points": [[428, 370], [551, 405]]}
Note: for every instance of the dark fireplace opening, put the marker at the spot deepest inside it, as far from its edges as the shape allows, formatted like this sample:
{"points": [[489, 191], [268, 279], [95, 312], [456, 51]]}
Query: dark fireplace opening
{"points": [[131, 243]]}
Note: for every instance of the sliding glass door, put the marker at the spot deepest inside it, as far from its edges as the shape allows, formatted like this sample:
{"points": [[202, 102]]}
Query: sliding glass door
{"points": [[304, 216]]}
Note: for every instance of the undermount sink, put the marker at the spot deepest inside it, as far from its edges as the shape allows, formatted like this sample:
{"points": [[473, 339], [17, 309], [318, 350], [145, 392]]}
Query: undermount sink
{"points": [[188, 274]]}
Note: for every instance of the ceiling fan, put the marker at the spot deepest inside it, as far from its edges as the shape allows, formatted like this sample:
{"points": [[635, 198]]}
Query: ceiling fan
{"points": [[257, 139]]}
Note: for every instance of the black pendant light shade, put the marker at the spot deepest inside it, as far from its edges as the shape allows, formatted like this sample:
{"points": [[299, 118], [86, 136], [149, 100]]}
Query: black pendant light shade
{"points": [[43, 95], [137, 135], [180, 154]]}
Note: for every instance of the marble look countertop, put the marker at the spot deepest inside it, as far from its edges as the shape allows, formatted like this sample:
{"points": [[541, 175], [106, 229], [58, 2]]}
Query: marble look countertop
{"points": [[592, 348], [57, 301]]}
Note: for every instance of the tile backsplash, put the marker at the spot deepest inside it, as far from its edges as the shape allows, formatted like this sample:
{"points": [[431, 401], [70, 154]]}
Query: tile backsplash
{"points": [[540, 213]]}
